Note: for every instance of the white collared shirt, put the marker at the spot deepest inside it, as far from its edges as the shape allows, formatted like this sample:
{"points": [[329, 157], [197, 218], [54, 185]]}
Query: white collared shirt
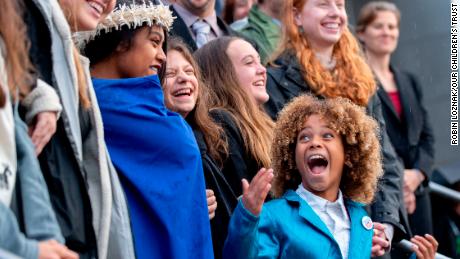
{"points": [[333, 214]]}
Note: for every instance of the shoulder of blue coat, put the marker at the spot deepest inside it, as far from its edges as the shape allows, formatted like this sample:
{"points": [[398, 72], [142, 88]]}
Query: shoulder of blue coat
{"points": [[289, 200], [349, 202]]}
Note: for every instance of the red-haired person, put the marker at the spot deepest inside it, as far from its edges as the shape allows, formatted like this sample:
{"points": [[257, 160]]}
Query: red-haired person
{"points": [[319, 55]]}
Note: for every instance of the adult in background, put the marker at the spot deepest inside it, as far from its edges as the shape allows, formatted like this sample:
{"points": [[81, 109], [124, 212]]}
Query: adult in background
{"points": [[406, 117], [319, 55], [236, 12], [264, 27], [153, 149], [197, 22]]}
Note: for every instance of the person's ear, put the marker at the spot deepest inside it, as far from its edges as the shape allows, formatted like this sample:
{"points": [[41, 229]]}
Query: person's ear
{"points": [[122, 46], [297, 16]]}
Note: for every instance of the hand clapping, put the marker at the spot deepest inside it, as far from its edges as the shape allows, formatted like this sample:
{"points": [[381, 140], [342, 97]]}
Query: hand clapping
{"points": [[254, 194]]}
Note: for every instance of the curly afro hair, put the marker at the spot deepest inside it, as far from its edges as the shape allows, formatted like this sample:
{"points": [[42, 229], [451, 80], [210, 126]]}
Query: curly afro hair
{"points": [[359, 133]]}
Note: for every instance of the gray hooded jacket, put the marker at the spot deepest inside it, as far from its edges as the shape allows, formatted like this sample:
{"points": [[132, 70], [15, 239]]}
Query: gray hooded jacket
{"points": [[110, 212]]}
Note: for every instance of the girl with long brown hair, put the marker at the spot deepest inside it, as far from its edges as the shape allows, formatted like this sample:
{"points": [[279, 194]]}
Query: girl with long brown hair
{"points": [[240, 98], [231, 68], [319, 55]]}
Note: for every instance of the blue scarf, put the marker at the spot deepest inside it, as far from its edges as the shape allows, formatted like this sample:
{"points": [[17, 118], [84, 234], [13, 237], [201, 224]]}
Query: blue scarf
{"points": [[158, 160]]}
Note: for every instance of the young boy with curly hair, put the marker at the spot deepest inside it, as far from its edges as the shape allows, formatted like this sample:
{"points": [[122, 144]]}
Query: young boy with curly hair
{"points": [[326, 163]]}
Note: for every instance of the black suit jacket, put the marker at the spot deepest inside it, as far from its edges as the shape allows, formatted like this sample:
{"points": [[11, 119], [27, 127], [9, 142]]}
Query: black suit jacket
{"points": [[180, 29], [411, 135]]}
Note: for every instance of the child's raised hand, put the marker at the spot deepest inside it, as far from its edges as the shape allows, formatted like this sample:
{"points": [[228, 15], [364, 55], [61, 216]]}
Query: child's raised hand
{"points": [[254, 194]]}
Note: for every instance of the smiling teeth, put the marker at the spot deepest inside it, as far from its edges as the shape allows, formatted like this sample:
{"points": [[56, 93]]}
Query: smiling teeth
{"points": [[259, 83], [96, 6], [182, 91], [316, 157], [332, 26]]}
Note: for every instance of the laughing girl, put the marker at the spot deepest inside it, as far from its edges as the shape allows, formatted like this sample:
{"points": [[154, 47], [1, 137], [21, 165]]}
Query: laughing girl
{"points": [[326, 163]]}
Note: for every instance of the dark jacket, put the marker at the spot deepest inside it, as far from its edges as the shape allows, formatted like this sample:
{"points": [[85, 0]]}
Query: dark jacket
{"points": [[238, 165], [411, 135], [225, 197], [180, 29], [285, 81]]}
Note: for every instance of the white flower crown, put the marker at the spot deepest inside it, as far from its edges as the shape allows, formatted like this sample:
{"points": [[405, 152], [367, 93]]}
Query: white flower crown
{"points": [[133, 16]]}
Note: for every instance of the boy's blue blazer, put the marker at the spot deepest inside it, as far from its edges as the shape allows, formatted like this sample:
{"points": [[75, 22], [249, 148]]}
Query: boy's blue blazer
{"points": [[289, 228]]}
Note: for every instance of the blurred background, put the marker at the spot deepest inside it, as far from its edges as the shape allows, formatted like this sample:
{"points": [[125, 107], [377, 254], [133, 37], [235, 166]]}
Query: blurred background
{"points": [[424, 49]]}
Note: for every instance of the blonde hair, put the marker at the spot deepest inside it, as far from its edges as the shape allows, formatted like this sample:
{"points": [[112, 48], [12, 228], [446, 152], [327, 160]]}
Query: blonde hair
{"points": [[352, 78], [81, 74], [81, 80], [359, 133]]}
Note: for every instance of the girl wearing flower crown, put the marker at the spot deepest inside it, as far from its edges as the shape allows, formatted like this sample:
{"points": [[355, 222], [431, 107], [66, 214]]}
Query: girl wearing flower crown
{"points": [[153, 149]]}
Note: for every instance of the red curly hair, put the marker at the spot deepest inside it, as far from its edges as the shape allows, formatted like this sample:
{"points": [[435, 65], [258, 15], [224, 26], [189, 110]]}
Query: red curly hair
{"points": [[356, 79]]}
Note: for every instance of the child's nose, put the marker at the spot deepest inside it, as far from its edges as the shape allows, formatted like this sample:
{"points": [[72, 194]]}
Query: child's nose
{"points": [[315, 142]]}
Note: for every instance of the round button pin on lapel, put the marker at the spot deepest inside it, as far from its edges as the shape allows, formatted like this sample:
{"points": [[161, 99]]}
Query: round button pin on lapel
{"points": [[367, 222]]}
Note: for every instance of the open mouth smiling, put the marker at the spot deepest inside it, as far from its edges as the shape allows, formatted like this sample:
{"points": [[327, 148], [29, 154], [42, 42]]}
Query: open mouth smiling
{"points": [[259, 83], [317, 163], [182, 92], [155, 68], [97, 7]]}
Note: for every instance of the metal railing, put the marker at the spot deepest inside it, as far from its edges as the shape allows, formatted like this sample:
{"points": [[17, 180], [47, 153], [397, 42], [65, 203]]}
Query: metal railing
{"points": [[407, 246], [444, 191]]}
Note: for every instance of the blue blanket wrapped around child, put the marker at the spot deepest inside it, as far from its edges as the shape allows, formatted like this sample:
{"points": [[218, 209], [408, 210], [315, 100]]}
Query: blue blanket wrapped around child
{"points": [[159, 163]]}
